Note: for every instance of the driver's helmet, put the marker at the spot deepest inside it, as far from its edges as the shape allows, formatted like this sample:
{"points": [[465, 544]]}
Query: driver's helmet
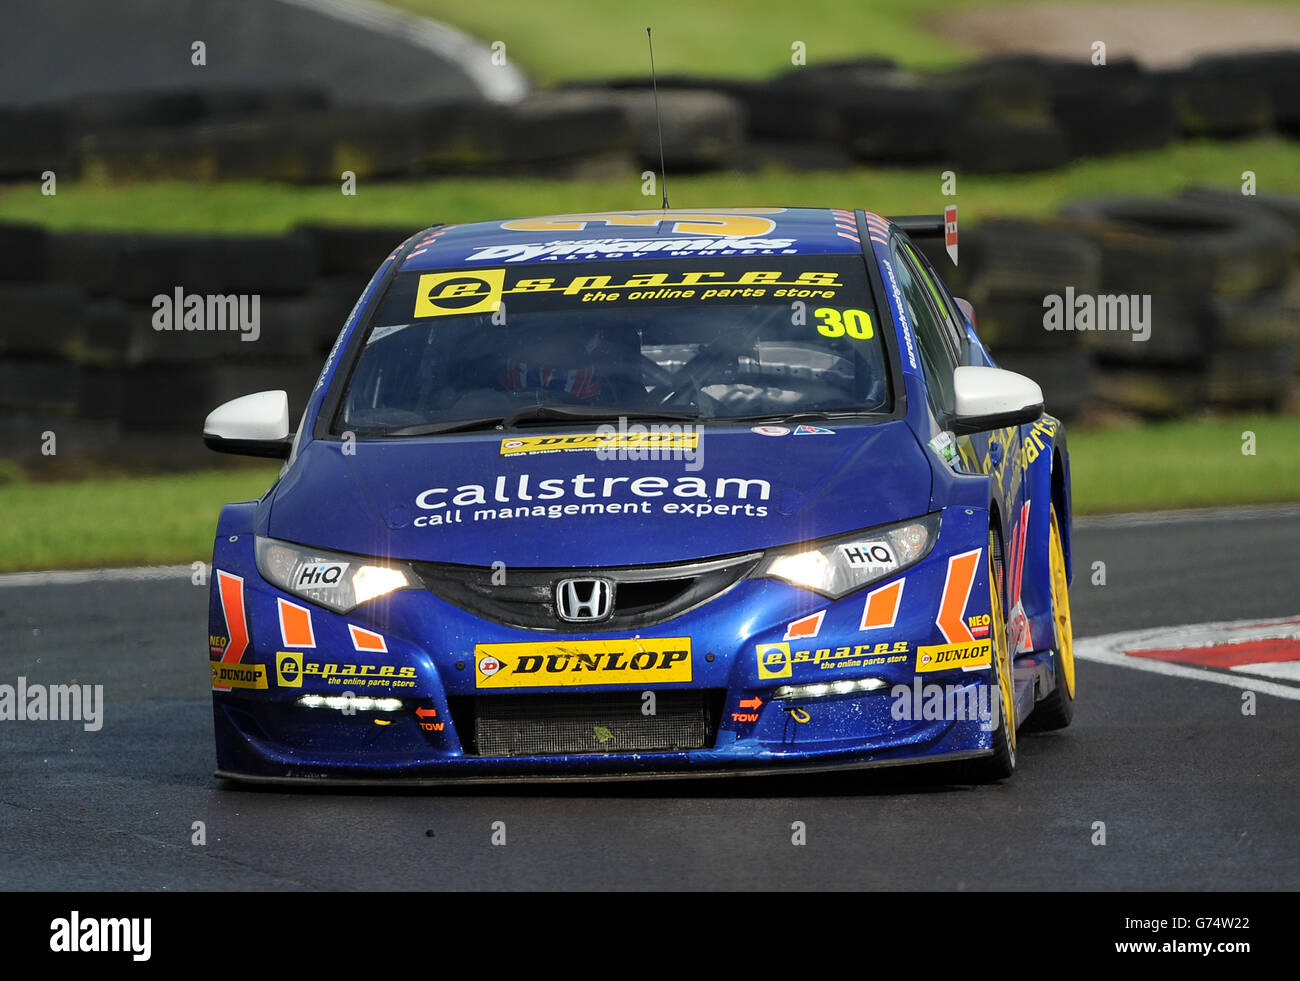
{"points": [[563, 359]]}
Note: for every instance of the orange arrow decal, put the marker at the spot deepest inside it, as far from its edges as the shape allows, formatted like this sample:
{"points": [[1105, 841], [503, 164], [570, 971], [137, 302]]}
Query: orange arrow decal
{"points": [[956, 592], [231, 590], [367, 640], [295, 624], [881, 608], [805, 626]]}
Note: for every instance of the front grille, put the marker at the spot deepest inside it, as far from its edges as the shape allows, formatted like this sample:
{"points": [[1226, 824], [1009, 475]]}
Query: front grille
{"points": [[643, 595], [553, 725]]}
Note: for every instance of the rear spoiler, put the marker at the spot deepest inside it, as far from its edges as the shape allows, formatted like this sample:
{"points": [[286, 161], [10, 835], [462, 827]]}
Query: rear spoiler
{"points": [[933, 226], [920, 226]]}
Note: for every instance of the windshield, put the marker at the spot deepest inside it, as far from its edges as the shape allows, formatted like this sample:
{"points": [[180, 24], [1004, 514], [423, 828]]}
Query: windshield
{"points": [[727, 339]]}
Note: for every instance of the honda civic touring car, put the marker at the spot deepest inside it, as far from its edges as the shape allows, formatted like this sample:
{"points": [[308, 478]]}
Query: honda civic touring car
{"points": [[645, 494]]}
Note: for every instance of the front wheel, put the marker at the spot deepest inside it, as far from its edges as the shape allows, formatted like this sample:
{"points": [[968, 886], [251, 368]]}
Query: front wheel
{"points": [[1057, 709], [1002, 763]]}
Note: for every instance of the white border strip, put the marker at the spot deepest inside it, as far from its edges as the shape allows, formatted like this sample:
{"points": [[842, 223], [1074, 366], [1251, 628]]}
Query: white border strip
{"points": [[498, 83], [1110, 648], [76, 577], [1249, 512]]}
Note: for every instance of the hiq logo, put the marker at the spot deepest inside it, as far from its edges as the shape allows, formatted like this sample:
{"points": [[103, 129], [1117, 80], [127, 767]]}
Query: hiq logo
{"points": [[868, 553], [322, 573], [288, 669]]}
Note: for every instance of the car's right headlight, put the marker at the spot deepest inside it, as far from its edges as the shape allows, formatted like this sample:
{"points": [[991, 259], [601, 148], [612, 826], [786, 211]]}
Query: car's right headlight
{"points": [[335, 580], [837, 566]]}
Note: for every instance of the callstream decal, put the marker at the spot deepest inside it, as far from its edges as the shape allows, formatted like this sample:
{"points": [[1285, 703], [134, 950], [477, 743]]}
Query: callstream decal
{"points": [[509, 498], [630, 661]]}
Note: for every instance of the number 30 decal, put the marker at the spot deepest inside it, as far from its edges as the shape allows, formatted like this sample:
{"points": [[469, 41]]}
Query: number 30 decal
{"points": [[838, 323]]}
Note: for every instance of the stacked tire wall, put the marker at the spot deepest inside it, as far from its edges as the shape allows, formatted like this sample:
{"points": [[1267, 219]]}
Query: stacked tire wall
{"points": [[1002, 115], [80, 355], [1207, 287]]}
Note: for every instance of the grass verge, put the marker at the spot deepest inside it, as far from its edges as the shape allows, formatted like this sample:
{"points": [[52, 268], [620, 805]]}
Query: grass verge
{"points": [[171, 519], [563, 40]]}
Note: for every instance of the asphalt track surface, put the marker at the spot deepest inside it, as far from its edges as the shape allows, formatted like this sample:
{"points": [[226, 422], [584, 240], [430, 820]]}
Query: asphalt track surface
{"points": [[1193, 794]]}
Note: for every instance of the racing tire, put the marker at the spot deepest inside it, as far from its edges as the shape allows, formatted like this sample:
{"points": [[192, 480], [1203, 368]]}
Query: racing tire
{"points": [[1273, 71], [267, 265], [23, 252], [1002, 763], [1282, 207], [702, 130], [1250, 379], [41, 320], [353, 251], [1154, 392], [1180, 332], [1184, 247], [1217, 108], [1012, 257], [1057, 710], [1000, 146]]}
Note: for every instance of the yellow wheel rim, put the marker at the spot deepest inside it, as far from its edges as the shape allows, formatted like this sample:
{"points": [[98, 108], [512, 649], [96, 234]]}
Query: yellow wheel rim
{"points": [[1001, 651], [1061, 607]]}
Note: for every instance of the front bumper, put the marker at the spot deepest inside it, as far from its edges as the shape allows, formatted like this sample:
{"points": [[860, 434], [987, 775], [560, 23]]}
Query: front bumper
{"points": [[422, 657]]}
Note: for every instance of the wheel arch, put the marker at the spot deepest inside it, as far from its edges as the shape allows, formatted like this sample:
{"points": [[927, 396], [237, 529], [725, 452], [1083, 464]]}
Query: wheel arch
{"points": [[1047, 486], [1060, 493]]}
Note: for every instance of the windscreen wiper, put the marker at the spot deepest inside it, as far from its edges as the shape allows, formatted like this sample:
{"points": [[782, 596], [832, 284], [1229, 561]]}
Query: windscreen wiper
{"points": [[450, 426], [803, 417], [544, 412], [547, 411]]}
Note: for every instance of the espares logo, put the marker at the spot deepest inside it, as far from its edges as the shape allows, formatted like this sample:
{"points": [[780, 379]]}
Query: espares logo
{"points": [[209, 312]]}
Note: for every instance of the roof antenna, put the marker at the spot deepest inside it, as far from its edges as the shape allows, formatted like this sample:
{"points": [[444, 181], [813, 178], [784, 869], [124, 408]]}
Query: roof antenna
{"points": [[663, 173]]}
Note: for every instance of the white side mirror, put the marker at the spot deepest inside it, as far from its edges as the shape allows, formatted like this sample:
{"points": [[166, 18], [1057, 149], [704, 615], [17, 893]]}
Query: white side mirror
{"points": [[253, 425], [991, 398]]}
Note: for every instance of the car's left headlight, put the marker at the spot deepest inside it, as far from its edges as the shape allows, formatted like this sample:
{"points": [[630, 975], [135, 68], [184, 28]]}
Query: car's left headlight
{"points": [[837, 566], [335, 580]]}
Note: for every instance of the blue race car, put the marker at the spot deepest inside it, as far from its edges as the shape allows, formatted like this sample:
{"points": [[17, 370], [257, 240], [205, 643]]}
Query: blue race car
{"points": [[656, 493]]}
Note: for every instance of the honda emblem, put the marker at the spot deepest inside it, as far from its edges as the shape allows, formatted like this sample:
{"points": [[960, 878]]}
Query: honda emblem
{"points": [[584, 600]]}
